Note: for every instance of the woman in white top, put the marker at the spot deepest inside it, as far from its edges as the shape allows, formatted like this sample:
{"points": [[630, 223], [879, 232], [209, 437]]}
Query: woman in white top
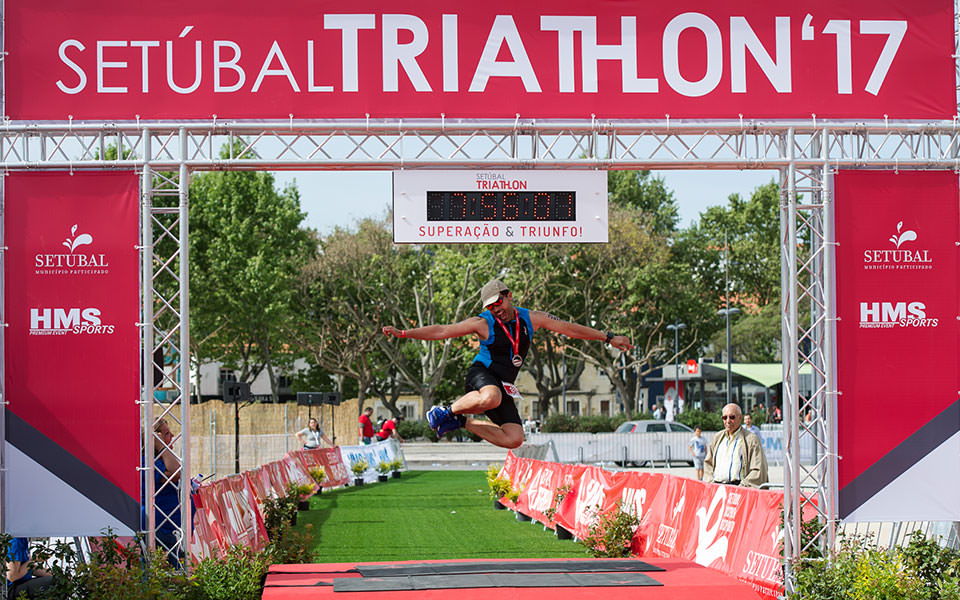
{"points": [[311, 435]]}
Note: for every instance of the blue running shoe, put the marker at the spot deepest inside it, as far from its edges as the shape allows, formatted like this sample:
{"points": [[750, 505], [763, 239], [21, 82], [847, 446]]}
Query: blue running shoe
{"points": [[437, 415], [452, 423]]}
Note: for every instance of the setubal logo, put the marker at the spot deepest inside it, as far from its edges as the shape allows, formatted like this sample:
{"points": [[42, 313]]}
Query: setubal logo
{"points": [[907, 236], [81, 240], [898, 259], [74, 262], [62, 321]]}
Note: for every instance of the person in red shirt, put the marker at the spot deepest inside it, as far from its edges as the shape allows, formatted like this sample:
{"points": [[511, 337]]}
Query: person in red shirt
{"points": [[366, 425], [389, 429]]}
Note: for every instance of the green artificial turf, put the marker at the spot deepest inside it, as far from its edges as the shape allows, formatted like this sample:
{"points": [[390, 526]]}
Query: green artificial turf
{"points": [[424, 515]]}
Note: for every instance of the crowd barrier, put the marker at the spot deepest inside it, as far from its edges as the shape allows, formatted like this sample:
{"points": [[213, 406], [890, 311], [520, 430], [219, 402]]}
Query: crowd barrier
{"points": [[732, 529], [645, 448], [229, 511], [373, 455]]}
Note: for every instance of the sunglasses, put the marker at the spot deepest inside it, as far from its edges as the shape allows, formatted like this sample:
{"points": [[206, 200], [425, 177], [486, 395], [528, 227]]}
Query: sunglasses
{"points": [[499, 300], [728, 417]]}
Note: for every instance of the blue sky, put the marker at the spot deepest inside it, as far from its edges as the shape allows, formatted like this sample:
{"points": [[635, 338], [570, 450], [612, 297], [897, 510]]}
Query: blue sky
{"points": [[340, 198]]}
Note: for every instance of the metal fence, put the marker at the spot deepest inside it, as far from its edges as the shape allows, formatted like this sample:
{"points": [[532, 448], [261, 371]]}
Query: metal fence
{"points": [[215, 454], [652, 448]]}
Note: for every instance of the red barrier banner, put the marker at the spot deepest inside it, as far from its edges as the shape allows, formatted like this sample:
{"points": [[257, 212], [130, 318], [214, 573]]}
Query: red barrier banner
{"points": [[308, 59], [230, 510], [72, 353], [898, 336], [328, 459], [732, 529]]}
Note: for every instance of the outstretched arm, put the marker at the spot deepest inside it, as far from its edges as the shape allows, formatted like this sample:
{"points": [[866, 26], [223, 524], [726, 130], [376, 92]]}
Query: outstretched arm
{"points": [[575, 330], [441, 332]]}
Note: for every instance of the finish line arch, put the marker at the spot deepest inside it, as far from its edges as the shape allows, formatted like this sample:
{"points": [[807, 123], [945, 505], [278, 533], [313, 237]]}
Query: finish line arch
{"points": [[164, 149]]}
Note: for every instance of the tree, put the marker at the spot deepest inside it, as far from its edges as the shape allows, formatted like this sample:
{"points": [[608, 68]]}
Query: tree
{"points": [[337, 305], [641, 190], [246, 249], [740, 241]]}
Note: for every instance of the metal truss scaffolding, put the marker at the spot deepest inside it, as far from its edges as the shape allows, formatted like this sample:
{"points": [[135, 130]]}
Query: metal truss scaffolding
{"points": [[165, 333], [805, 153]]}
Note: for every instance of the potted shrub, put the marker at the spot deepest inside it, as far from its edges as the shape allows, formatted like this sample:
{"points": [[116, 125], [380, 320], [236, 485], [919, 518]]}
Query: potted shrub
{"points": [[318, 474], [499, 487], [384, 469], [359, 468], [395, 466], [299, 494]]}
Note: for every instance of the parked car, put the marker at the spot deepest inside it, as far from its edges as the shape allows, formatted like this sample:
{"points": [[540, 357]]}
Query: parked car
{"points": [[651, 426]]}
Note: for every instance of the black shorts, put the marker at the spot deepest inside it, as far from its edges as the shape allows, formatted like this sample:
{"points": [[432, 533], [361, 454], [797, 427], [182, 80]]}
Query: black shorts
{"points": [[479, 376]]}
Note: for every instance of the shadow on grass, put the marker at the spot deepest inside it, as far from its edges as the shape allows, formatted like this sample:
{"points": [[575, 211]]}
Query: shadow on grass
{"points": [[323, 505]]}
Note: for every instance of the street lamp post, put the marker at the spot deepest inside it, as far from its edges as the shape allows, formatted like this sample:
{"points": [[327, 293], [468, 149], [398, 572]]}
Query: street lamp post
{"points": [[676, 327], [726, 312]]}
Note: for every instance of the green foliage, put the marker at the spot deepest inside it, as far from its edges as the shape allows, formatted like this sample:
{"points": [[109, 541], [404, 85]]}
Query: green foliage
{"points": [[113, 572], [318, 474], [611, 533], [412, 430], [938, 567], [277, 515], [287, 545], [499, 486], [385, 467], [559, 495], [923, 570], [300, 491], [640, 189], [707, 421], [246, 250], [360, 467], [561, 423], [238, 575]]}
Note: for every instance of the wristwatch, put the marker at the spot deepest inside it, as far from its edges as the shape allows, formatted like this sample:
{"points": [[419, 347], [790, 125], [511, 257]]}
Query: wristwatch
{"points": [[610, 336]]}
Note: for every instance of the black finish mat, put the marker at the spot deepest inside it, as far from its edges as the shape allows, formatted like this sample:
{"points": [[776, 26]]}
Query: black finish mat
{"points": [[539, 566], [491, 580]]}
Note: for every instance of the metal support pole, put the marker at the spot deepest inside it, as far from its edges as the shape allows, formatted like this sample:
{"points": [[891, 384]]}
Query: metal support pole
{"points": [[791, 471], [729, 359], [829, 342], [185, 475], [146, 336], [3, 375]]}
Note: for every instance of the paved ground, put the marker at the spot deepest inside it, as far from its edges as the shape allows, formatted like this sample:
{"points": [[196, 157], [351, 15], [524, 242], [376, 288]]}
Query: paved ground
{"points": [[467, 456]]}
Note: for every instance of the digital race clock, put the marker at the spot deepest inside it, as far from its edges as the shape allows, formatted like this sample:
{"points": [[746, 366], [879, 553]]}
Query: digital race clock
{"points": [[499, 206]]}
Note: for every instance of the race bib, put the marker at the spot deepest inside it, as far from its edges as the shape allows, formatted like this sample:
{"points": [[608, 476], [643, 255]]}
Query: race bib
{"points": [[512, 390]]}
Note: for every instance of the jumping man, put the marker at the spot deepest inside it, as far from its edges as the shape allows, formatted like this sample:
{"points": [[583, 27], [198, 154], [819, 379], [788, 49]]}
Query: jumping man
{"points": [[505, 332]]}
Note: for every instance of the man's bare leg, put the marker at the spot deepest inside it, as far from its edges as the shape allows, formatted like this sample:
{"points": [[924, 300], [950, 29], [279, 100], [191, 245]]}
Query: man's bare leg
{"points": [[508, 435], [477, 402]]}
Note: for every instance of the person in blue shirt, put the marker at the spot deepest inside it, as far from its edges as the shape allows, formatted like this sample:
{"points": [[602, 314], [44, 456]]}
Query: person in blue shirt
{"points": [[505, 332], [698, 449], [21, 577]]}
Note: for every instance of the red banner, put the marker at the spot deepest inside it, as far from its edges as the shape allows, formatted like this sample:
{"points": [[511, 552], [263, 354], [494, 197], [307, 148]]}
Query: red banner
{"points": [[308, 59], [230, 510], [898, 338], [732, 529], [72, 348]]}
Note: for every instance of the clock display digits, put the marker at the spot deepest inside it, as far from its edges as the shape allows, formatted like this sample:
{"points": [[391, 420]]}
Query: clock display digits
{"points": [[501, 206]]}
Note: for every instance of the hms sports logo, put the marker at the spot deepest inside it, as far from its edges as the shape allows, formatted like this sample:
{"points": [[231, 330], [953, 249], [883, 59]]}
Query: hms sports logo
{"points": [[78, 260], [904, 255]]}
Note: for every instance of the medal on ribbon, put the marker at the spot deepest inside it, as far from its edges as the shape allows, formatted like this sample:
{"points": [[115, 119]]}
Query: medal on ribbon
{"points": [[515, 357]]}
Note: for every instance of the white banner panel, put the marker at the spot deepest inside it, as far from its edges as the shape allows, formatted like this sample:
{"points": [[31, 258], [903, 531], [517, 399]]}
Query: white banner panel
{"points": [[485, 206]]}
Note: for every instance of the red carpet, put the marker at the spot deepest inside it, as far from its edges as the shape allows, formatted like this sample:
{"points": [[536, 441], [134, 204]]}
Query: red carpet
{"points": [[679, 580]]}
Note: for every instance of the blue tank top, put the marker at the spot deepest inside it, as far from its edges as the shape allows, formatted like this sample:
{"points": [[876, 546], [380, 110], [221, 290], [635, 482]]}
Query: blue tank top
{"points": [[496, 351]]}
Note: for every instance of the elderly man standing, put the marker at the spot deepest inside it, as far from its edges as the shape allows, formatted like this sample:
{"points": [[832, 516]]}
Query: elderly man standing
{"points": [[735, 455]]}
